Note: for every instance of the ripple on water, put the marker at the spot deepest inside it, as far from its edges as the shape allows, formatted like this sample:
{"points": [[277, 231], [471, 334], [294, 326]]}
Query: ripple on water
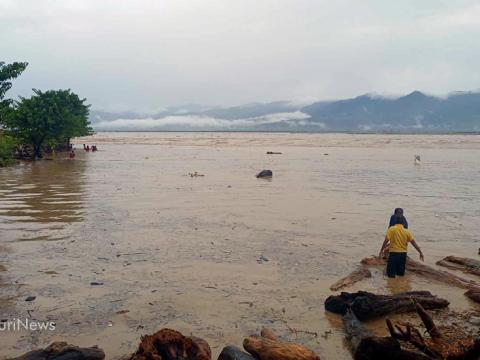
{"points": [[42, 193]]}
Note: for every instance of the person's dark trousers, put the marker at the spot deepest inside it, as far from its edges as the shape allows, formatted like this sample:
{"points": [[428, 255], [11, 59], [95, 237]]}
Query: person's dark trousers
{"points": [[396, 264]]}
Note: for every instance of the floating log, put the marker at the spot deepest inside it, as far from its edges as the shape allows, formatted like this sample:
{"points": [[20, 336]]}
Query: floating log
{"points": [[365, 345], [468, 266], [268, 347], [268, 333], [427, 272], [445, 342], [366, 305], [64, 351], [473, 294], [234, 353], [354, 277], [168, 344]]}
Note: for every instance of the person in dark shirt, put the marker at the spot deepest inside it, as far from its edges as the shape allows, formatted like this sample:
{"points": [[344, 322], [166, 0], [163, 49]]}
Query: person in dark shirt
{"points": [[398, 212], [396, 242]]}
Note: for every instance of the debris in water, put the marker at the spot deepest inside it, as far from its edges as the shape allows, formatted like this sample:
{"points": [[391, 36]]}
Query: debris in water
{"points": [[265, 174]]}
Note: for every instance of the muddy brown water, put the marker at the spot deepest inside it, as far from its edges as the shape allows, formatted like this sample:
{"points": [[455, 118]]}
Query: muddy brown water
{"points": [[182, 252]]}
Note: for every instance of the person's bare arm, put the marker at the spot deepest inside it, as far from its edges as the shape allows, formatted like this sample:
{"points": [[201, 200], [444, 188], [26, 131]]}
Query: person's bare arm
{"points": [[415, 245], [384, 246]]}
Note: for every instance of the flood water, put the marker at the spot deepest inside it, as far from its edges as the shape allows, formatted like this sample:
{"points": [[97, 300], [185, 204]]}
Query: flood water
{"points": [[183, 252]]}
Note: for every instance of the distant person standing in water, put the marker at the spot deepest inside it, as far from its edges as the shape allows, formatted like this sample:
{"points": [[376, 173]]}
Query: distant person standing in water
{"points": [[72, 154], [397, 212], [396, 240]]}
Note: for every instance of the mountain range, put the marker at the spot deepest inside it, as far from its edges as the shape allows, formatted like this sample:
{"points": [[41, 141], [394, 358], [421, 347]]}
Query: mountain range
{"points": [[413, 113]]}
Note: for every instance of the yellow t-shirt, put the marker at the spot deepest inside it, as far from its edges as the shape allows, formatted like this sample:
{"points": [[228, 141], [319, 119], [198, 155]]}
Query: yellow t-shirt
{"points": [[399, 237]]}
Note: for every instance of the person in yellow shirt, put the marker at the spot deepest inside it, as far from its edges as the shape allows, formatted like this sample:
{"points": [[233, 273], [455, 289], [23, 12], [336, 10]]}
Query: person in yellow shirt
{"points": [[396, 241]]}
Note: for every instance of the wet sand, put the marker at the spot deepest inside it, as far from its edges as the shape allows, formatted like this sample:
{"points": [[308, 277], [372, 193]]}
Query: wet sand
{"points": [[182, 252]]}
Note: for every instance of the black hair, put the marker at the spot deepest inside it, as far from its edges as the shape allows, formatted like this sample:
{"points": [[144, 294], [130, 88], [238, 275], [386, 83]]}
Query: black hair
{"points": [[400, 219], [398, 211]]}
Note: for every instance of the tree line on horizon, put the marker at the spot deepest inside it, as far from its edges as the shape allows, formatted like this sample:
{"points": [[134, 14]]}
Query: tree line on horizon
{"points": [[46, 120]]}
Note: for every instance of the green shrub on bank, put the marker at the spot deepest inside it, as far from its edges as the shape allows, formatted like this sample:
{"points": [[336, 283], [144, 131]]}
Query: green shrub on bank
{"points": [[7, 148]]}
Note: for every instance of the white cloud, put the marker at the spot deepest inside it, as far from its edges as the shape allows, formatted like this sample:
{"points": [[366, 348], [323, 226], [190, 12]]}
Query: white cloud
{"points": [[203, 122], [146, 54]]}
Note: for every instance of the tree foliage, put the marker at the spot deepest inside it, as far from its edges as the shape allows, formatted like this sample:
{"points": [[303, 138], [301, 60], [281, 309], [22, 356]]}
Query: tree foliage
{"points": [[7, 147], [52, 117], [8, 72]]}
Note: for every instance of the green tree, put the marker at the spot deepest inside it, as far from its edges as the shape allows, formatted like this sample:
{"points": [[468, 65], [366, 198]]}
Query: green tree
{"points": [[8, 72], [52, 117], [7, 147]]}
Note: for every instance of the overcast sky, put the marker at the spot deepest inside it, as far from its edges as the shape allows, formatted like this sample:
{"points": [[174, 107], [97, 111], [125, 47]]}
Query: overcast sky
{"points": [[147, 54]]}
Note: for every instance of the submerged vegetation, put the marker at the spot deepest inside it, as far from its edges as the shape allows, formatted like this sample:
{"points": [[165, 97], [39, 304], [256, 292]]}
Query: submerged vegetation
{"points": [[7, 148], [48, 119]]}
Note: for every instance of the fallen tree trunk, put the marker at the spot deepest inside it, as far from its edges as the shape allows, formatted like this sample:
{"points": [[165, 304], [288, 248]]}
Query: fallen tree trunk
{"points": [[367, 346], [473, 294], [354, 277], [366, 305], [234, 353], [445, 342], [268, 347], [466, 265], [168, 344], [427, 272], [64, 351]]}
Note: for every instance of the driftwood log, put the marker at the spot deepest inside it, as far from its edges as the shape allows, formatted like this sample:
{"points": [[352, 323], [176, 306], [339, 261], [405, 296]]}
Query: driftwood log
{"points": [[468, 266], [427, 272], [168, 344], [269, 347], [433, 274], [365, 345], [354, 277], [64, 351], [234, 353], [444, 342], [473, 294], [366, 305]]}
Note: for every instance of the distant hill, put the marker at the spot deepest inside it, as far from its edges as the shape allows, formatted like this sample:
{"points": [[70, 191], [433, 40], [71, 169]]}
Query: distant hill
{"points": [[415, 112]]}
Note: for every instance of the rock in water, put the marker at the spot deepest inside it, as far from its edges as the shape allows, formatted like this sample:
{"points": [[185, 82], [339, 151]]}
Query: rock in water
{"points": [[265, 174], [64, 351]]}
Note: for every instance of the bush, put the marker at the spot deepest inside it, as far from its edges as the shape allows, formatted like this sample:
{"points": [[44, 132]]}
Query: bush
{"points": [[7, 148]]}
